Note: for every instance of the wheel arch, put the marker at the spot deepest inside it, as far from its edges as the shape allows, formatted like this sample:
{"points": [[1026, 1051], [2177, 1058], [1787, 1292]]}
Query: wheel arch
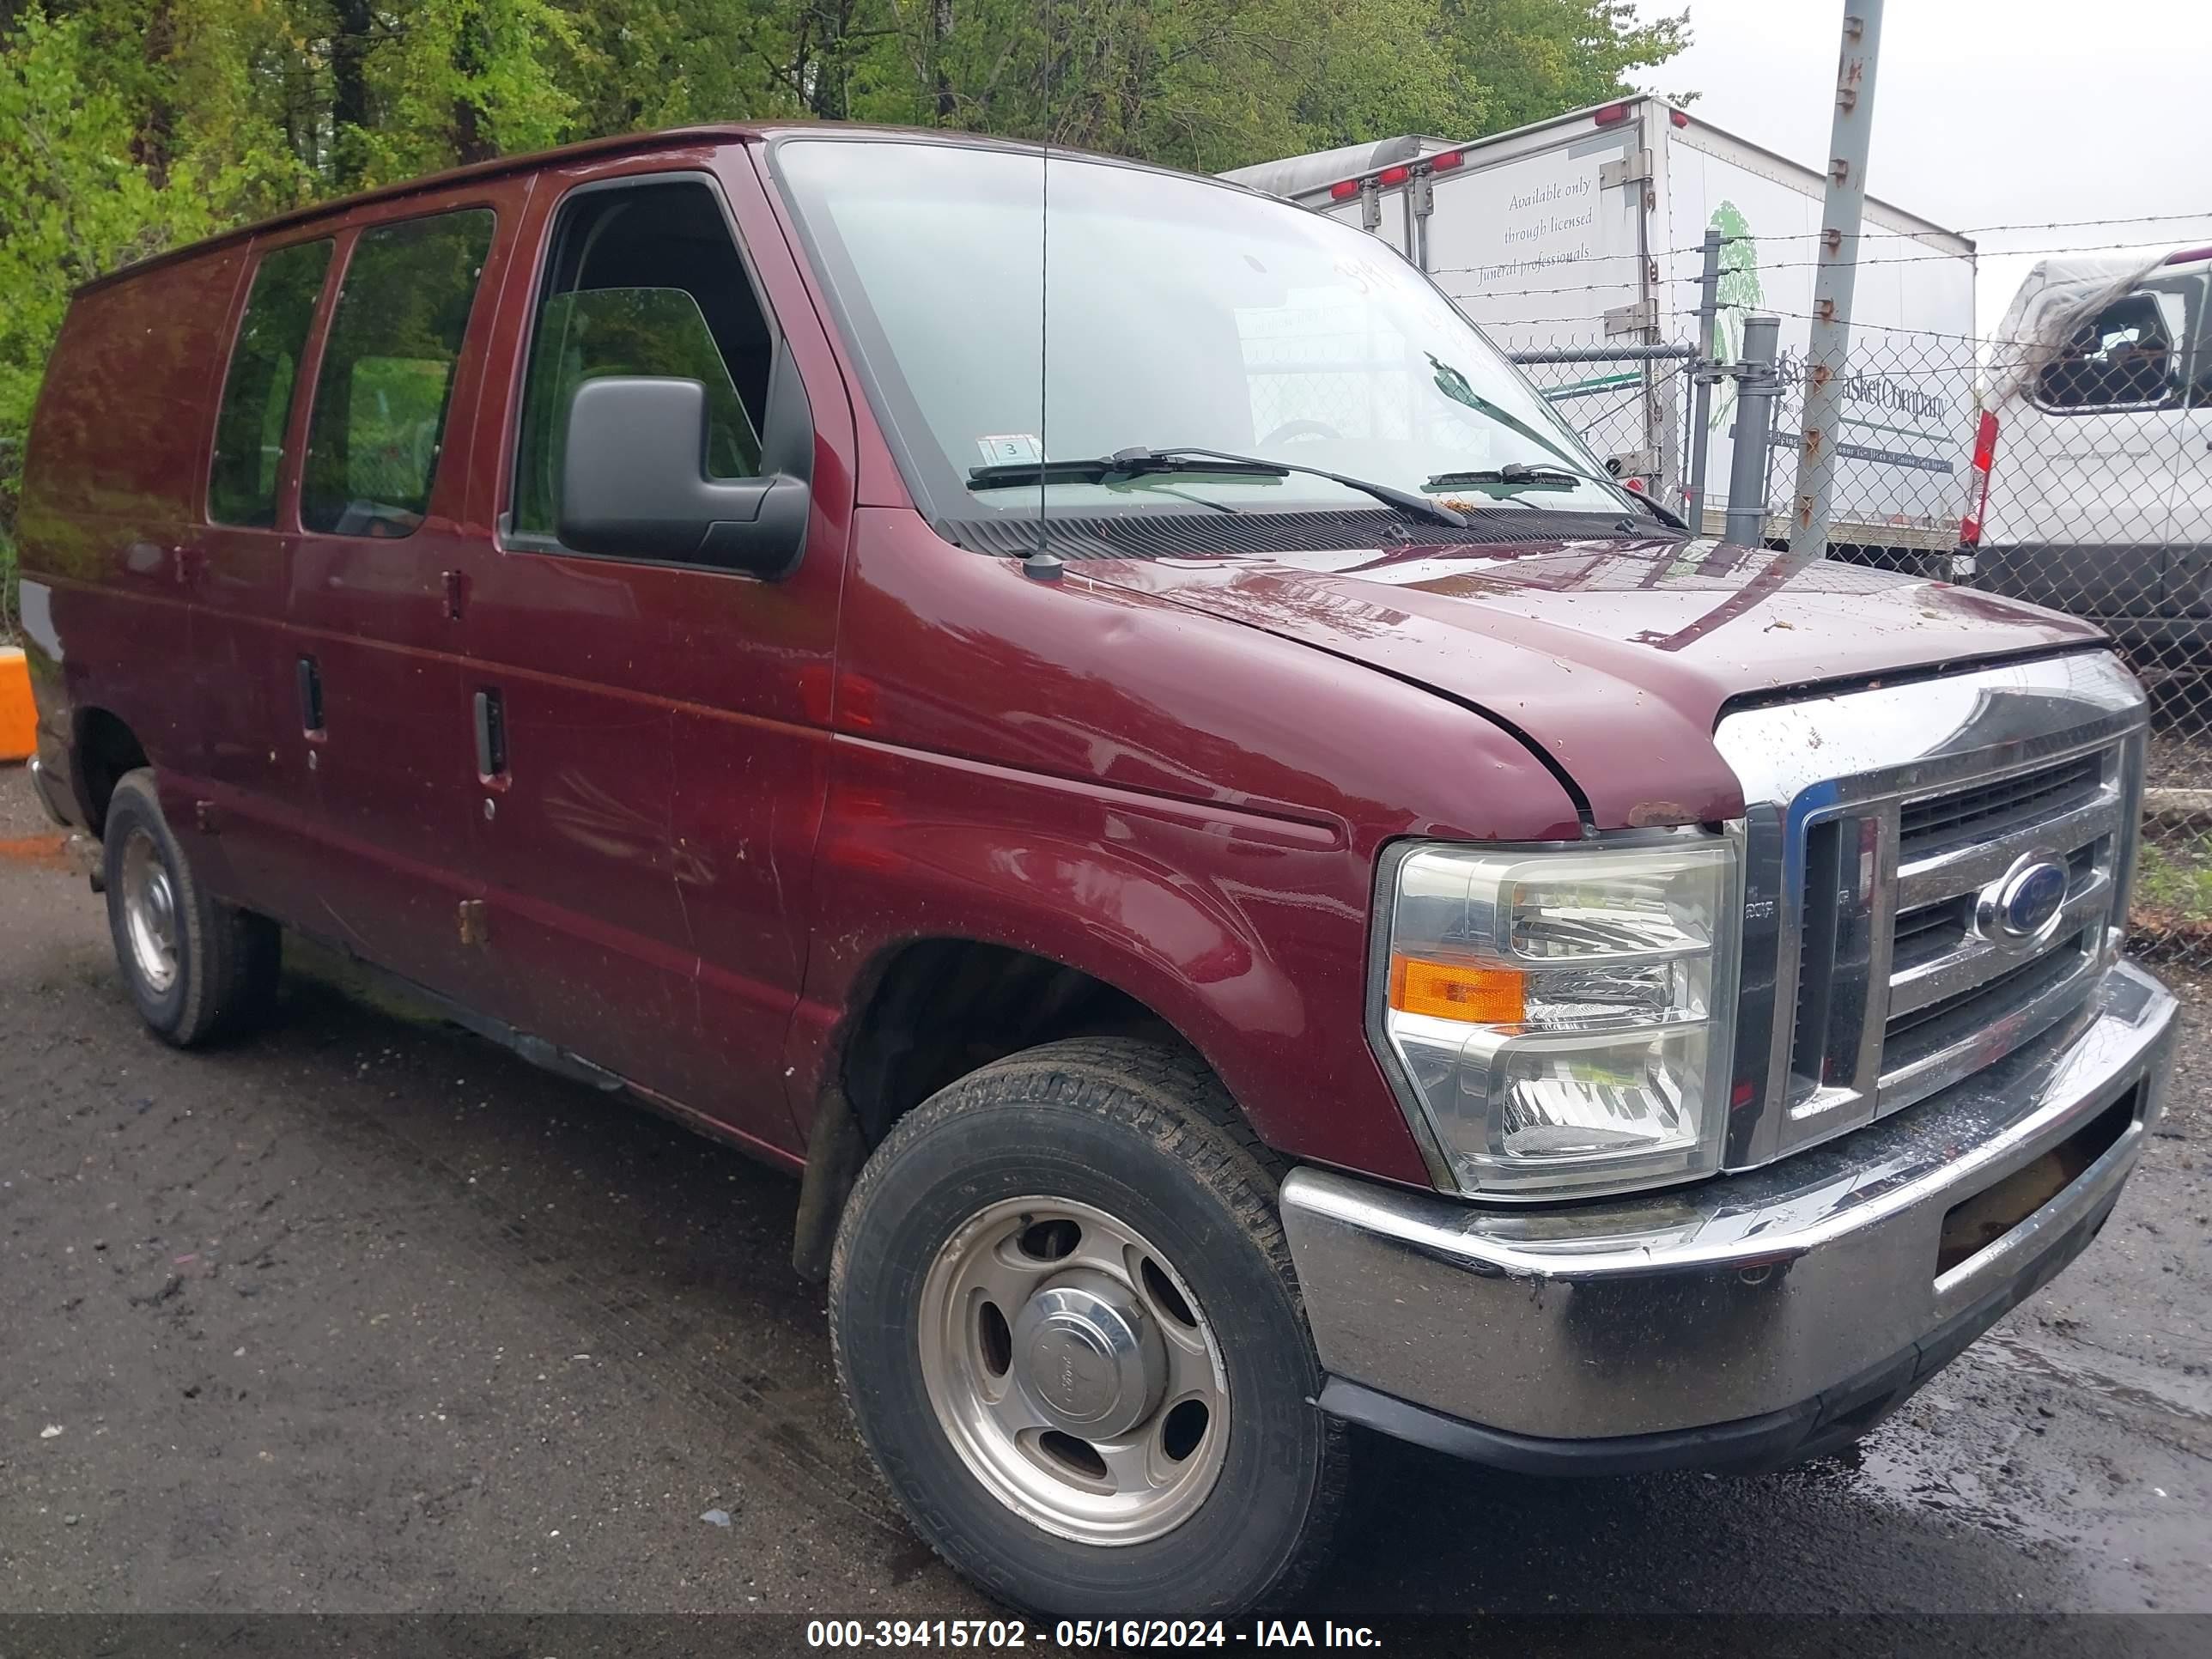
{"points": [[103, 748], [923, 1012]]}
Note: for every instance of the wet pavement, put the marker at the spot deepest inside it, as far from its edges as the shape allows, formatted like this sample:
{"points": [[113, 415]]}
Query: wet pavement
{"points": [[368, 1316]]}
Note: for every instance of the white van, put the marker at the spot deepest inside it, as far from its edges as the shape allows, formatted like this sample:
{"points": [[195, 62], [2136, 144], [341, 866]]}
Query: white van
{"points": [[2100, 493]]}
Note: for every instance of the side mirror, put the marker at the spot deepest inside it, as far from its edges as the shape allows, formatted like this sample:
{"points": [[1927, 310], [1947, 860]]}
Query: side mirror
{"points": [[633, 482]]}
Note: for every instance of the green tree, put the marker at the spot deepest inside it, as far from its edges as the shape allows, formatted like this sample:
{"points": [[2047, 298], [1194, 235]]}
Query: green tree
{"points": [[128, 125]]}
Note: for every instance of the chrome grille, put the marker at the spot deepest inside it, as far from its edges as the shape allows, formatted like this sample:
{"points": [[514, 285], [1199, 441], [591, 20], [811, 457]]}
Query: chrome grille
{"points": [[1990, 809], [1877, 966], [1961, 987]]}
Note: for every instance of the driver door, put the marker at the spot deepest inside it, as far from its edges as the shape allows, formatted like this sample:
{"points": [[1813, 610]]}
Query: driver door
{"points": [[646, 827]]}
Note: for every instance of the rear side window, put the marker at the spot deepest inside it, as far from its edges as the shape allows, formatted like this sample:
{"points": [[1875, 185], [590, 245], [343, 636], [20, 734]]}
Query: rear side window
{"points": [[387, 375], [641, 280], [257, 393]]}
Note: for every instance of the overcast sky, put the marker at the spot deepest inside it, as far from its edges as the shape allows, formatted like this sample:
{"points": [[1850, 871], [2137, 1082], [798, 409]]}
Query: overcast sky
{"points": [[1986, 111]]}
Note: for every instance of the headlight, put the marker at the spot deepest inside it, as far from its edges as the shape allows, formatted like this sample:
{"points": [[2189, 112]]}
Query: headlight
{"points": [[1565, 1017]]}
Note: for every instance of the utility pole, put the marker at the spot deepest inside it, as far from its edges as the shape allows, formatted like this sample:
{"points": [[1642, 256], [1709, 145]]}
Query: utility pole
{"points": [[1832, 287]]}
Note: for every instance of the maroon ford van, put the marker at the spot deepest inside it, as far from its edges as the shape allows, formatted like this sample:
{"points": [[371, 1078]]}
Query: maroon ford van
{"points": [[1091, 715]]}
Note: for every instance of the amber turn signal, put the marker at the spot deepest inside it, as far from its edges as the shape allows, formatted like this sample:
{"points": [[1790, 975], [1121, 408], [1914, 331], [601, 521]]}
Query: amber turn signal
{"points": [[1456, 990]]}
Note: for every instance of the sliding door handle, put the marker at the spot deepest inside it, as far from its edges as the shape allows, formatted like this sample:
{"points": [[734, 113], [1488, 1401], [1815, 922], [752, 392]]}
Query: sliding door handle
{"points": [[491, 735], [310, 677]]}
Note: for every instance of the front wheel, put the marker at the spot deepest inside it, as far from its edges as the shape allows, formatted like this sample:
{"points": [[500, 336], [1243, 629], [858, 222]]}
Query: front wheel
{"points": [[1066, 1318]]}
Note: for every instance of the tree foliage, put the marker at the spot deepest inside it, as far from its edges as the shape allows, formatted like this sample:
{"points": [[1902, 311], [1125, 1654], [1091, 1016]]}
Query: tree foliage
{"points": [[127, 125]]}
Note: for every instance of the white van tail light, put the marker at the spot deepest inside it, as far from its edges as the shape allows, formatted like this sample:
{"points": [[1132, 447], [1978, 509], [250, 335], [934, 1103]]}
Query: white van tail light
{"points": [[1977, 484]]}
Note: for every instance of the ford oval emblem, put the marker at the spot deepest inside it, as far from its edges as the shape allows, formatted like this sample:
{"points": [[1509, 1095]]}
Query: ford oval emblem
{"points": [[2021, 907]]}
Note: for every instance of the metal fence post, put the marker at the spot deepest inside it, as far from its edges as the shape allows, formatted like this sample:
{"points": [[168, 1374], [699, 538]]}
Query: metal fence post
{"points": [[1756, 385], [1702, 374], [1830, 348]]}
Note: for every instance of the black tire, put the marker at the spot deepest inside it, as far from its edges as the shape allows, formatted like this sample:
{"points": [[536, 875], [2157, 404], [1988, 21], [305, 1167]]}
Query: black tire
{"points": [[1147, 1135], [227, 961]]}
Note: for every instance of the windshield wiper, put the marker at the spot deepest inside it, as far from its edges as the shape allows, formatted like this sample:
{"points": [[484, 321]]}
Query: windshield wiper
{"points": [[1513, 472], [1516, 475], [1123, 464], [1137, 463]]}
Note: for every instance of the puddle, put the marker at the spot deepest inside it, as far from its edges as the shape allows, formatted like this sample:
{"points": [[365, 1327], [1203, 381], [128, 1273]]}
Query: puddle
{"points": [[38, 852], [2171, 1395], [2122, 1497]]}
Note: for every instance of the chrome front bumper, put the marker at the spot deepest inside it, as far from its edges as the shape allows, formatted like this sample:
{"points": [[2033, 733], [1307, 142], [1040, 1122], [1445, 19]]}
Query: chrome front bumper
{"points": [[49, 794], [1749, 1320]]}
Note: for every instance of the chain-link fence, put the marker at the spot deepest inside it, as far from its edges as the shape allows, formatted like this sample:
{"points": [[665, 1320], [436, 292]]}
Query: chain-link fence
{"points": [[2062, 455]]}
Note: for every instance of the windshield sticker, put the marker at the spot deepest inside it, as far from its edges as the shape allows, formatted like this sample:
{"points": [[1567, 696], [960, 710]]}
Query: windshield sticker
{"points": [[1002, 447]]}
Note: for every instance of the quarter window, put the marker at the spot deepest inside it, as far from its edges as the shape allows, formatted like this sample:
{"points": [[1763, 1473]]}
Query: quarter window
{"points": [[641, 280], [257, 393], [388, 373]]}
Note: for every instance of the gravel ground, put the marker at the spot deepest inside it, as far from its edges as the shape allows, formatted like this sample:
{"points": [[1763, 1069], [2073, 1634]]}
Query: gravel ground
{"points": [[366, 1316]]}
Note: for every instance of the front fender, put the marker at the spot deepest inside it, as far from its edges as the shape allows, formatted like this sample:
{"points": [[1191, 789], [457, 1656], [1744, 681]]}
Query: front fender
{"points": [[1246, 932]]}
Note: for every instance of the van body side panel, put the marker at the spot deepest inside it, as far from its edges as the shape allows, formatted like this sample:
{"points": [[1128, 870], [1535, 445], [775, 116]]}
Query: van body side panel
{"points": [[256, 762], [1188, 808], [110, 497], [396, 776]]}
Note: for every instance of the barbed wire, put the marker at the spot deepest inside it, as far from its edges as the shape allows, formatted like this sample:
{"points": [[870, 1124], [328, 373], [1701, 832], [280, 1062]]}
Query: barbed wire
{"points": [[1762, 308], [2204, 214], [1771, 265]]}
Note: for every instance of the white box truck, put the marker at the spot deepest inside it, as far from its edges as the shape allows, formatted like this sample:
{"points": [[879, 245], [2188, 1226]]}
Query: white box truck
{"points": [[1580, 237]]}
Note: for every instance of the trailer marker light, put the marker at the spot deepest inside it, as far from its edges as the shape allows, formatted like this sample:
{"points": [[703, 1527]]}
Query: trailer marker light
{"points": [[1447, 160], [1344, 190], [1611, 115], [1678, 117], [1396, 175], [1985, 452]]}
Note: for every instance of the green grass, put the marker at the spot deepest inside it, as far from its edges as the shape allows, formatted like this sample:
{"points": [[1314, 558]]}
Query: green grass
{"points": [[2173, 888]]}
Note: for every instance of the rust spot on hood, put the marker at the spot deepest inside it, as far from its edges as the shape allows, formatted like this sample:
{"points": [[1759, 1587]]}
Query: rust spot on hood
{"points": [[1653, 814]]}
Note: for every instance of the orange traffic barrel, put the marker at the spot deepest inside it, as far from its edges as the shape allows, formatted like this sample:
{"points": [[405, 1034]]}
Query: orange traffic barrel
{"points": [[19, 721]]}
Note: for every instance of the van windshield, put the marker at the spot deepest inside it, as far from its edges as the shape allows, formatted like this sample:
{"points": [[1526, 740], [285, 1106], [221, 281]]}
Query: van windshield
{"points": [[1182, 314]]}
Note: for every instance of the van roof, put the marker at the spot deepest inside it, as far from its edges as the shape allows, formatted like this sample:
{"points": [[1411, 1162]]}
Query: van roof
{"points": [[616, 144]]}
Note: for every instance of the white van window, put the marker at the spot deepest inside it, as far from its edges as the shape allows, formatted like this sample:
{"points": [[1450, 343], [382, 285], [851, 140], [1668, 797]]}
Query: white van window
{"points": [[2123, 357], [2198, 364]]}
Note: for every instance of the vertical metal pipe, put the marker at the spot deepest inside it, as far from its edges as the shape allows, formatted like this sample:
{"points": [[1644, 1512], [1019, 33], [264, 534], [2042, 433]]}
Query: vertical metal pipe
{"points": [[1421, 193], [1830, 351], [1756, 385], [1701, 394]]}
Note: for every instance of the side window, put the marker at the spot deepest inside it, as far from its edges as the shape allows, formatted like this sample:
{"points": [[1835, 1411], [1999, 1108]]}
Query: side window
{"points": [[640, 280], [388, 373], [2123, 356], [257, 393], [2198, 394]]}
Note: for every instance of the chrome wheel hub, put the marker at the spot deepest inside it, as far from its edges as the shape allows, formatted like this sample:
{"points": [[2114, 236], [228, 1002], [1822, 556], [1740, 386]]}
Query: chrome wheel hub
{"points": [[1074, 1371], [149, 913], [1090, 1356]]}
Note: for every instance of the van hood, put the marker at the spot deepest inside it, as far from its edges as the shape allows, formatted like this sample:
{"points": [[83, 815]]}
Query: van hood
{"points": [[1613, 659]]}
